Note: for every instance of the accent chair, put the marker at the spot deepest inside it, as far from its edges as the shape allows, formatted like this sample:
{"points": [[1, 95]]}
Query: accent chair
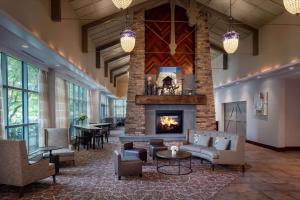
{"points": [[60, 137], [127, 166], [15, 168]]}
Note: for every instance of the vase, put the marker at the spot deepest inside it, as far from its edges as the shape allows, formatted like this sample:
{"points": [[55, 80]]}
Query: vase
{"points": [[173, 152]]}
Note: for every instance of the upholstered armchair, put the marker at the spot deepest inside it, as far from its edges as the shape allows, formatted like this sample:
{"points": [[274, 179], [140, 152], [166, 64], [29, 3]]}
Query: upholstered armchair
{"points": [[156, 145], [15, 168], [60, 137], [126, 166], [130, 150]]}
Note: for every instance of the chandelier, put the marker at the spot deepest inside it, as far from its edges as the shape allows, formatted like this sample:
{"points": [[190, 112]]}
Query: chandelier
{"points": [[127, 40], [231, 41], [122, 4], [292, 6], [231, 38]]}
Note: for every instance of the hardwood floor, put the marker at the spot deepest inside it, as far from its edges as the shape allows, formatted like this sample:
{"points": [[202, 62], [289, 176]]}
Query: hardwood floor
{"points": [[269, 175]]}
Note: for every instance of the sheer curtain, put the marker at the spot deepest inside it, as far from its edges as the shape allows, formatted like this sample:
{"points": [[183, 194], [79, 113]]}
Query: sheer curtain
{"points": [[2, 135], [44, 106], [61, 103], [93, 106]]}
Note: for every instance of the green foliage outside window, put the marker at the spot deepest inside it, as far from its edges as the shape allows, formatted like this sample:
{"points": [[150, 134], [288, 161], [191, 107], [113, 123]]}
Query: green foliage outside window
{"points": [[21, 100]]}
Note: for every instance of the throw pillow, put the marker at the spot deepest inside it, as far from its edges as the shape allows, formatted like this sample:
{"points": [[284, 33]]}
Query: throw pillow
{"points": [[200, 139], [221, 143]]}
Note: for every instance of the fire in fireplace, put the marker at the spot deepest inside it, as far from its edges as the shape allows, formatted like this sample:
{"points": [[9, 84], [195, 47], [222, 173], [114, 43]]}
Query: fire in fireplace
{"points": [[169, 121]]}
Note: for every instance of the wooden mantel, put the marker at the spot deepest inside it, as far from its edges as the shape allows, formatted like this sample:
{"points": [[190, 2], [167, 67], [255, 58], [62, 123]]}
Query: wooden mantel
{"points": [[171, 100]]}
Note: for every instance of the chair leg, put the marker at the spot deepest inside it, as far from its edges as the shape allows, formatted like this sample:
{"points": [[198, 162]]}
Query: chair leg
{"points": [[140, 175], [243, 168], [54, 179], [119, 177], [212, 167], [21, 191], [73, 163]]}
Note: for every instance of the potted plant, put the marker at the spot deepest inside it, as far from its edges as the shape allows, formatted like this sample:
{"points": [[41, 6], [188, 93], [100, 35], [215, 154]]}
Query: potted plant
{"points": [[81, 118]]}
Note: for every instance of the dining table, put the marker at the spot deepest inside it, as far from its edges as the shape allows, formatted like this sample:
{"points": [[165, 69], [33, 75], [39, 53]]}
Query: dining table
{"points": [[103, 125], [92, 129]]}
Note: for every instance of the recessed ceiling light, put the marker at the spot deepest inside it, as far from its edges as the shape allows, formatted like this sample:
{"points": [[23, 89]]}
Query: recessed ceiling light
{"points": [[258, 77], [57, 65], [291, 68], [25, 46]]}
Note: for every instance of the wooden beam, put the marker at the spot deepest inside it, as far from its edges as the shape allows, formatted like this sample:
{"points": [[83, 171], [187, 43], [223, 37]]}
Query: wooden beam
{"points": [[225, 55], [112, 60], [55, 10], [116, 69], [102, 47], [117, 76], [84, 28], [98, 61], [223, 16], [171, 100]]}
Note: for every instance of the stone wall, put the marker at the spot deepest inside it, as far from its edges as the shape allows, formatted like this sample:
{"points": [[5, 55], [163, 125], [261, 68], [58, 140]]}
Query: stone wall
{"points": [[135, 115], [205, 114]]}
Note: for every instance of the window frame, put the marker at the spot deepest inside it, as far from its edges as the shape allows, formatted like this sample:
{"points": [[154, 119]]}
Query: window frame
{"points": [[25, 125]]}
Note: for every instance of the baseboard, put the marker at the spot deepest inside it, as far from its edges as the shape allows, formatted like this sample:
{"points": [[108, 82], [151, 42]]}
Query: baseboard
{"points": [[279, 149]]}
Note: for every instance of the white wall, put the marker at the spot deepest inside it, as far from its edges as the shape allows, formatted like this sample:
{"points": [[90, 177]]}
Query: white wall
{"points": [[292, 119], [64, 37], [278, 45], [267, 130]]}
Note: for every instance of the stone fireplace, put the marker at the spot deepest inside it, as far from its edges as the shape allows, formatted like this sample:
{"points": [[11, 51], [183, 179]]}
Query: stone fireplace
{"points": [[169, 122], [192, 72]]}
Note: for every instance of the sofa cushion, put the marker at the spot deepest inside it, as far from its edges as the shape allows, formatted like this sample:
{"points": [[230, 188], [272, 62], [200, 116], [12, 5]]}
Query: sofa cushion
{"points": [[221, 143], [211, 152], [201, 139], [191, 147]]}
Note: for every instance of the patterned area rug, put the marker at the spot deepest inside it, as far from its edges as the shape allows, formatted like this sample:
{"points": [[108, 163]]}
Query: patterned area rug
{"points": [[93, 178]]}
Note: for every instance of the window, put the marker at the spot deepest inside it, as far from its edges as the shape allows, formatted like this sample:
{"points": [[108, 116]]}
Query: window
{"points": [[120, 108], [21, 101], [104, 108], [77, 102]]}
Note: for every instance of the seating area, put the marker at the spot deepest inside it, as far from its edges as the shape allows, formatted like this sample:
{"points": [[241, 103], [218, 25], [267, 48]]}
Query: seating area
{"points": [[149, 99]]}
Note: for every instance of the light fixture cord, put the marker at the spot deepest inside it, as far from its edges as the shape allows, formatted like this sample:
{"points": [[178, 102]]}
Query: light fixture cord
{"points": [[230, 17]]}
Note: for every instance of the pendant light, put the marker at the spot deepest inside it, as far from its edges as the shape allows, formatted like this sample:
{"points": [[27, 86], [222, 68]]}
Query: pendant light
{"points": [[127, 37], [122, 4], [292, 6], [231, 37]]}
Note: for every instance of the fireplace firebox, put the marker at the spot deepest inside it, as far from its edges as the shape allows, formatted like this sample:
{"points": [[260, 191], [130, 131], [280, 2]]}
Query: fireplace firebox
{"points": [[169, 121]]}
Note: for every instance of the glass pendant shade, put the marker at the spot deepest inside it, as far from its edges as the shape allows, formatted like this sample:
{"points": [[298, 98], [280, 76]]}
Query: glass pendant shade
{"points": [[231, 41], [292, 6], [127, 40], [122, 4]]}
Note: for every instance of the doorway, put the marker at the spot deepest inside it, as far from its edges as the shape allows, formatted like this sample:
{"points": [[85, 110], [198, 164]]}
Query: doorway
{"points": [[235, 120]]}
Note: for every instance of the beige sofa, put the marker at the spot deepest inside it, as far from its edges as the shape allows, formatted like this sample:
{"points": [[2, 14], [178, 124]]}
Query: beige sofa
{"points": [[233, 155], [15, 168], [59, 137]]}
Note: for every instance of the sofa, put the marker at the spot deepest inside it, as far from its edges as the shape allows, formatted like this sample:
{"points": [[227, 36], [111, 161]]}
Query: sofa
{"points": [[59, 137], [216, 147], [15, 168]]}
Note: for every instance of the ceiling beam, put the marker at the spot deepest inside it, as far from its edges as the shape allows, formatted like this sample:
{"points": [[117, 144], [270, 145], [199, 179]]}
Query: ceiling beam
{"points": [[55, 10], [225, 55], [112, 60], [102, 47], [254, 31], [116, 69], [117, 76], [84, 28]]}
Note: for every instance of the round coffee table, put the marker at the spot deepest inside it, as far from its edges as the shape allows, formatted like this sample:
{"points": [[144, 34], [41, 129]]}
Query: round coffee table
{"points": [[177, 162]]}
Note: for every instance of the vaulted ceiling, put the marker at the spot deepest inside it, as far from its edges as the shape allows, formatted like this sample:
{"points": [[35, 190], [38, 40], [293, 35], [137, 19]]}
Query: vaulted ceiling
{"points": [[104, 22]]}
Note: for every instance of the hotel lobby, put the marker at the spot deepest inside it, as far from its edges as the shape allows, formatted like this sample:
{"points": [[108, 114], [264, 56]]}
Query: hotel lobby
{"points": [[150, 99]]}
